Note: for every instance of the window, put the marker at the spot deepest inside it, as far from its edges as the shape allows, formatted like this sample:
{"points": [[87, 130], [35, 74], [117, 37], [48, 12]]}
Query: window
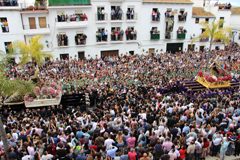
{"points": [[182, 15], [221, 18], [32, 23], [80, 38], [207, 20], [42, 22], [101, 13], [203, 30], [4, 25], [7, 45], [154, 33], [197, 20], [131, 33], [101, 35], [61, 16], [116, 34], [130, 13], [155, 14], [116, 13], [62, 39]]}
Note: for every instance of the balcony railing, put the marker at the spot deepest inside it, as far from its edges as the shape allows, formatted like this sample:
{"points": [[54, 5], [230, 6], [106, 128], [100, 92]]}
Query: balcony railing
{"points": [[130, 37], [63, 18], [62, 40], [80, 42], [155, 36], [224, 7], [182, 18], [31, 6], [117, 17], [204, 39], [116, 37], [168, 36], [155, 18], [130, 16], [37, 26], [181, 36], [5, 3], [101, 17], [101, 38]]}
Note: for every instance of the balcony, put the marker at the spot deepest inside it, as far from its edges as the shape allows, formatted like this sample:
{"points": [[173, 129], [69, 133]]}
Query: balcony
{"points": [[11, 5], [182, 18], [117, 18], [222, 7], [204, 39], [131, 17], [80, 40], [116, 38], [155, 18], [62, 40], [36, 29], [181, 36], [155, 36], [101, 39], [31, 7], [71, 23], [101, 18], [69, 2], [168, 35]]}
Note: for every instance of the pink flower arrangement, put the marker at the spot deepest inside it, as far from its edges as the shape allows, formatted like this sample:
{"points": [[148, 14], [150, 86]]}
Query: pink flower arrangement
{"points": [[37, 91], [58, 88], [44, 91], [57, 93], [51, 91], [27, 98], [57, 97], [42, 82]]}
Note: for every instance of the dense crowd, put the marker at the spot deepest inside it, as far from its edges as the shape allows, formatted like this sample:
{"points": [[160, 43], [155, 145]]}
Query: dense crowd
{"points": [[142, 111]]}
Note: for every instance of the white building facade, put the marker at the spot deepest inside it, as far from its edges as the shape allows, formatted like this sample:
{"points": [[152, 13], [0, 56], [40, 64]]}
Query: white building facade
{"points": [[46, 19]]}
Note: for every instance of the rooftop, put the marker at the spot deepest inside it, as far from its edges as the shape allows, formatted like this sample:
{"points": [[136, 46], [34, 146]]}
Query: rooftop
{"points": [[168, 1], [200, 12], [235, 10]]}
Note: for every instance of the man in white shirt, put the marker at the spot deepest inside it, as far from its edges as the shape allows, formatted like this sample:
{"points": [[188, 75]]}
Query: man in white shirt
{"points": [[190, 139], [108, 142], [216, 143], [103, 14]]}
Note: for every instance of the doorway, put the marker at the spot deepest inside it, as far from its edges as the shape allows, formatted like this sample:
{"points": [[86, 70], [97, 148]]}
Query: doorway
{"points": [[191, 47], [131, 53], [174, 47], [64, 56], [109, 53], [11, 61], [201, 48], [81, 55], [32, 23]]}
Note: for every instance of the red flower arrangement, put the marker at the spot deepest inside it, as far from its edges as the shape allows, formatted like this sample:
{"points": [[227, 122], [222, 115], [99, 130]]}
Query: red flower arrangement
{"points": [[200, 73]]}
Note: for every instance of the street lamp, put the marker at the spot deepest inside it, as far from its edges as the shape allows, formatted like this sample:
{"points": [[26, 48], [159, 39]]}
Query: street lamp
{"points": [[234, 34]]}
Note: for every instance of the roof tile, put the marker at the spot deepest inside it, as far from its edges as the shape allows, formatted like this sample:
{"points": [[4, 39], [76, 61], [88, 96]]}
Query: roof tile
{"points": [[198, 11]]}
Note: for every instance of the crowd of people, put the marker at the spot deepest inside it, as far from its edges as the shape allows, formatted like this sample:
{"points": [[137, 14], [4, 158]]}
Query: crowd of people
{"points": [[142, 111], [72, 18], [101, 35], [116, 13]]}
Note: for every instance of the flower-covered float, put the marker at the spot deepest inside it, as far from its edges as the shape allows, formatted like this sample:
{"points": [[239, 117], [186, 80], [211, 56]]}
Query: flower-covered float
{"points": [[46, 94], [214, 79]]}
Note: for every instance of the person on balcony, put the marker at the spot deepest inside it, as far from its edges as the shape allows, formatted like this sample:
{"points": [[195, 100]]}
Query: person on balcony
{"points": [[132, 13], [103, 14], [128, 14], [99, 14], [185, 16], [112, 14], [153, 15], [158, 15], [126, 32], [120, 12], [121, 35], [135, 35], [106, 34], [63, 17]]}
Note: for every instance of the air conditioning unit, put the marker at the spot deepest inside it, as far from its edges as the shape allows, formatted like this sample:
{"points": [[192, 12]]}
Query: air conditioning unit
{"points": [[175, 10]]}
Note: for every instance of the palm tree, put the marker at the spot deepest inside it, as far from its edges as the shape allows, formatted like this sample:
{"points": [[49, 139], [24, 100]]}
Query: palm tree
{"points": [[9, 87], [32, 52], [214, 31]]}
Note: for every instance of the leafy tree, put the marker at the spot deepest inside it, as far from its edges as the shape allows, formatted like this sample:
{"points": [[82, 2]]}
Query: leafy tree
{"points": [[214, 31]]}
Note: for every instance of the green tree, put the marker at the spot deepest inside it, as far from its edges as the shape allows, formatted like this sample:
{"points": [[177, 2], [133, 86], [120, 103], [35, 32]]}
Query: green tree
{"points": [[214, 31], [32, 52], [9, 87]]}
